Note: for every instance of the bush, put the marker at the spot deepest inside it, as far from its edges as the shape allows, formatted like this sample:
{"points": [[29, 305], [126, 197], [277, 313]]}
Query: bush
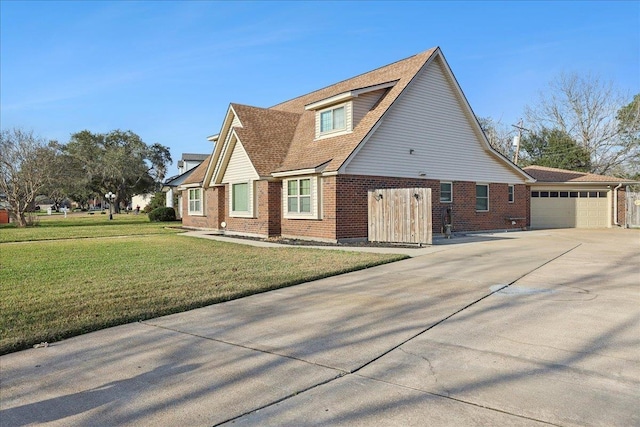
{"points": [[157, 201], [162, 214]]}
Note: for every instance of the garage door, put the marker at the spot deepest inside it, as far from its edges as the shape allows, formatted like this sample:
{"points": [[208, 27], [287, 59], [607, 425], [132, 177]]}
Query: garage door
{"points": [[569, 209]]}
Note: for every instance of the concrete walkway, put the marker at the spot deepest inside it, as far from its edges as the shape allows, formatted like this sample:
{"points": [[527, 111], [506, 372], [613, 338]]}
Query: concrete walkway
{"points": [[535, 329]]}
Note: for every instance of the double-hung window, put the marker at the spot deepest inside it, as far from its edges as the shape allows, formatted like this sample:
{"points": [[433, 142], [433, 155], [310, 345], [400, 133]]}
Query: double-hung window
{"points": [[240, 197], [511, 194], [482, 197], [446, 192], [333, 120], [299, 196], [195, 201]]}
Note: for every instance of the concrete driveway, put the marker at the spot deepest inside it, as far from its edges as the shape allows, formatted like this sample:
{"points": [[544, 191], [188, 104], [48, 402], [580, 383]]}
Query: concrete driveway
{"points": [[530, 328]]}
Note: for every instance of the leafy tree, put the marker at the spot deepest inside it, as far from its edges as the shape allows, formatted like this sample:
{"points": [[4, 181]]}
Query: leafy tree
{"points": [[26, 165], [118, 161], [587, 109], [158, 200], [554, 148]]}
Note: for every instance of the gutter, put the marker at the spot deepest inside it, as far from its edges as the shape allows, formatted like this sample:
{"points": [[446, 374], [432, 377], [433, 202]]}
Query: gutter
{"points": [[615, 205]]}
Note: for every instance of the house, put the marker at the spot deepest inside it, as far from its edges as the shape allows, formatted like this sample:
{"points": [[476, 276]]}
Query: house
{"points": [[304, 168], [562, 198], [186, 166], [190, 161]]}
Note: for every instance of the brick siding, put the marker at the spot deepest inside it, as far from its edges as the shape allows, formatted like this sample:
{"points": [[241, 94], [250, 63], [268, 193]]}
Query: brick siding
{"points": [[345, 210]]}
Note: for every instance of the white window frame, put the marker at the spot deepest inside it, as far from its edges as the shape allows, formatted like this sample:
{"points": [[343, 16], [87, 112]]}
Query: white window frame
{"points": [[478, 184], [511, 195], [314, 198], [332, 111], [194, 202], [450, 200], [250, 202], [348, 121], [298, 196]]}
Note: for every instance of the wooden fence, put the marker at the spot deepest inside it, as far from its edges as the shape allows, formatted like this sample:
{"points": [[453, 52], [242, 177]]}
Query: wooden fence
{"points": [[633, 209], [400, 215]]}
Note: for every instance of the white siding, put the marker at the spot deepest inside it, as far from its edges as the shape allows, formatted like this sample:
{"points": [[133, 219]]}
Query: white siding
{"points": [[240, 168], [236, 122], [432, 121], [363, 104]]}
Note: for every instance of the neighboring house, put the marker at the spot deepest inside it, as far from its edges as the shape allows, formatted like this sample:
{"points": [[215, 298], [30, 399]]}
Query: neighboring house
{"points": [[141, 200], [565, 199], [174, 182], [303, 168], [190, 161]]}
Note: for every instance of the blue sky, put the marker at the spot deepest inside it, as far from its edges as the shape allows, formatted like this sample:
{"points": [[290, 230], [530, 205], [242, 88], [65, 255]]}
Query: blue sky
{"points": [[167, 70]]}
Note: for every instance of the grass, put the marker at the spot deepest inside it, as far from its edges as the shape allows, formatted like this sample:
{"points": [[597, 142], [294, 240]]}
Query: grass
{"points": [[77, 226], [73, 282]]}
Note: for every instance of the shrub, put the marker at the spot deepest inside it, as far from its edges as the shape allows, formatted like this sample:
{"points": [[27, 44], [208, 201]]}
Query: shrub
{"points": [[157, 201], [162, 214]]}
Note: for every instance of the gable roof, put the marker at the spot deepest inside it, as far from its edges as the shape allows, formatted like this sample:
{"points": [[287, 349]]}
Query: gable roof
{"points": [[305, 153], [281, 139], [266, 135], [555, 175], [197, 173]]}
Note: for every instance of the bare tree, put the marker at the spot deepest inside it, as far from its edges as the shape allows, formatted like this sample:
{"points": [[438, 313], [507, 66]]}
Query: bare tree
{"points": [[586, 109], [25, 169], [500, 136]]}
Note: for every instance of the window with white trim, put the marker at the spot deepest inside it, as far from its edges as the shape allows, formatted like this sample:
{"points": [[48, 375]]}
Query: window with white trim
{"points": [[299, 196], [195, 201], [511, 194], [333, 120], [482, 197], [446, 192], [240, 197]]}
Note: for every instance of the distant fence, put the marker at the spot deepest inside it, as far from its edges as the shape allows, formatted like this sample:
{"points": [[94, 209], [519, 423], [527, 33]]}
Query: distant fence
{"points": [[633, 209]]}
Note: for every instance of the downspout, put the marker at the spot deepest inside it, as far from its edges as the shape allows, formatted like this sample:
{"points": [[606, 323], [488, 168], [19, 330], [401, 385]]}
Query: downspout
{"points": [[615, 204]]}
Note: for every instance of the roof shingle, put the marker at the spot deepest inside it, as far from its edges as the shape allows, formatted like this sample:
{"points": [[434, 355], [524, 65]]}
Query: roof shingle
{"points": [[546, 174]]}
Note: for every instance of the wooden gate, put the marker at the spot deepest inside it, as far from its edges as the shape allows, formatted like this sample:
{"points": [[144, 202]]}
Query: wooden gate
{"points": [[400, 215], [633, 209]]}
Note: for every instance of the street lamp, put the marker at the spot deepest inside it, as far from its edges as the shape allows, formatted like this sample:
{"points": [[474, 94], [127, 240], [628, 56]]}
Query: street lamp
{"points": [[110, 197]]}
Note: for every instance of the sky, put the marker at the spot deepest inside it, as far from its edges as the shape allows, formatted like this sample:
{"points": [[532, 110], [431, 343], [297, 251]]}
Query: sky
{"points": [[167, 70]]}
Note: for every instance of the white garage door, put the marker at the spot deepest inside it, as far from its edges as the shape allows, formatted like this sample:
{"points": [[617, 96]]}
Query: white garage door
{"points": [[569, 209]]}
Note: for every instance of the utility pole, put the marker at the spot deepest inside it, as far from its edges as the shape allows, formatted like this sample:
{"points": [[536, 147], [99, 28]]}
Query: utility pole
{"points": [[516, 140]]}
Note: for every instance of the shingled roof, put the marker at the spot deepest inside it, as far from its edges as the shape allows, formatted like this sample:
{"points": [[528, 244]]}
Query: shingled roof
{"points": [[197, 176], [304, 152], [546, 174], [266, 135]]}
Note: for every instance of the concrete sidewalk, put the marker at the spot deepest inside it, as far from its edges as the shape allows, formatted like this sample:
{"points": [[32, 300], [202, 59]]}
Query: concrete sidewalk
{"points": [[541, 328]]}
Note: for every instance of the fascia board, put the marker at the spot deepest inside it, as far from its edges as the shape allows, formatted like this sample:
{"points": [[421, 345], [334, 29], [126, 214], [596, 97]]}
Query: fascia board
{"points": [[294, 173], [476, 125], [346, 96], [307, 171], [214, 164]]}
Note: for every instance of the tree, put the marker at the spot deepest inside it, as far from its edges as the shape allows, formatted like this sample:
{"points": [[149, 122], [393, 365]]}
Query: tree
{"points": [[554, 148], [586, 109], [26, 166], [629, 127], [118, 161], [499, 136]]}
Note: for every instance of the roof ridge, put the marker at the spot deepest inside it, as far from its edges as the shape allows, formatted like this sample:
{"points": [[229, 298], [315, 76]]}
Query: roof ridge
{"points": [[428, 51]]}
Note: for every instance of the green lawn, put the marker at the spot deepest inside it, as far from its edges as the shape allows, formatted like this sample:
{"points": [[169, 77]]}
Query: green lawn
{"points": [[88, 275]]}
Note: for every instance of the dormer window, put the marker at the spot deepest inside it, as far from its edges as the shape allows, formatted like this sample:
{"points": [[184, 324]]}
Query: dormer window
{"points": [[332, 120]]}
